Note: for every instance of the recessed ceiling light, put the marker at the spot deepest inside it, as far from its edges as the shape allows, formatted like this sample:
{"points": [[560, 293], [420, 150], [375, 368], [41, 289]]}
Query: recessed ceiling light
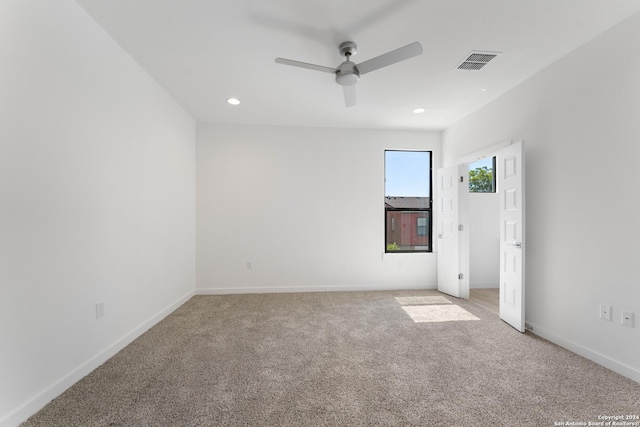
{"points": [[233, 101], [419, 110]]}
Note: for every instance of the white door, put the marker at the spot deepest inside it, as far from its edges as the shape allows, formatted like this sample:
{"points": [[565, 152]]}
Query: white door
{"points": [[451, 265], [512, 241]]}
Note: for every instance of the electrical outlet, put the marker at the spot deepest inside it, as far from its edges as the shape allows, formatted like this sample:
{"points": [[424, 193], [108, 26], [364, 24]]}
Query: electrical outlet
{"points": [[605, 312], [249, 265], [99, 309], [627, 318]]}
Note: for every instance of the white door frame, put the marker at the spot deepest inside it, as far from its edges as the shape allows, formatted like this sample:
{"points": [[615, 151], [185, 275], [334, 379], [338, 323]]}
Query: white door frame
{"points": [[512, 287]]}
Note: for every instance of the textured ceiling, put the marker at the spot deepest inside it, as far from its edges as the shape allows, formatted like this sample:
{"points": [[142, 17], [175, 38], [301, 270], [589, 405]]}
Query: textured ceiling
{"points": [[205, 51]]}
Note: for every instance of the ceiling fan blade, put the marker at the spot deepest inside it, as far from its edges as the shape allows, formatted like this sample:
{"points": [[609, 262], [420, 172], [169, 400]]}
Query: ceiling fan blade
{"points": [[305, 65], [349, 95], [389, 58]]}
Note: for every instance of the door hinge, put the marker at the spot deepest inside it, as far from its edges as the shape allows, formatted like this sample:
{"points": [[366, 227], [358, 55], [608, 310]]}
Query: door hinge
{"points": [[460, 227], [462, 179], [460, 276]]}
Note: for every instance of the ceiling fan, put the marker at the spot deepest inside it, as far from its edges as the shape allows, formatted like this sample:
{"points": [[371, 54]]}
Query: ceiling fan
{"points": [[348, 73]]}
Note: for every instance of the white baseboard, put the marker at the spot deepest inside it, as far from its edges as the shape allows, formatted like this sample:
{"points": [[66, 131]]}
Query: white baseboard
{"points": [[39, 401], [607, 362], [295, 289]]}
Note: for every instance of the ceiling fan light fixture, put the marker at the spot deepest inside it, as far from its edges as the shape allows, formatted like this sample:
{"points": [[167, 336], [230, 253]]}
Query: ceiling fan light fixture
{"points": [[347, 79], [233, 101]]}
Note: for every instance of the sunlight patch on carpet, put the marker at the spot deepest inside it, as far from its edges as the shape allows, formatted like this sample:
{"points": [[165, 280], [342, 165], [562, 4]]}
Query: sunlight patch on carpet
{"points": [[422, 300], [438, 313]]}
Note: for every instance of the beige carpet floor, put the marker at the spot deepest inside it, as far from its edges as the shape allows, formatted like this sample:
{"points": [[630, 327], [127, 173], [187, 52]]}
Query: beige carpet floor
{"points": [[405, 358]]}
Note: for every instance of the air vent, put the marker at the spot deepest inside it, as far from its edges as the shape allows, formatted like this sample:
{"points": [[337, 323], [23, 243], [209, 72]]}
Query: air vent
{"points": [[476, 60]]}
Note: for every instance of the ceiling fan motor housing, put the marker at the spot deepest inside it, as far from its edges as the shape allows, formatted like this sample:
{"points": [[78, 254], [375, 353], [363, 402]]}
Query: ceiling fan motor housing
{"points": [[347, 74]]}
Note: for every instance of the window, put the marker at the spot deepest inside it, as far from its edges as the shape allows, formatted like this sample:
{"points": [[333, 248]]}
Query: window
{"points": [[421, 225], [482, 176], [407, 201]]}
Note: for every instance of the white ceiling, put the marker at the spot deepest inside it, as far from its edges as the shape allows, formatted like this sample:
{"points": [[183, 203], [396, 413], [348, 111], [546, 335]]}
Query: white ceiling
{"points": [[205, 51]]}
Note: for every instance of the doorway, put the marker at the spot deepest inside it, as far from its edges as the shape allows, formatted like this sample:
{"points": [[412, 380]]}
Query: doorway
{"points": [[454, 227], [484, 234]]}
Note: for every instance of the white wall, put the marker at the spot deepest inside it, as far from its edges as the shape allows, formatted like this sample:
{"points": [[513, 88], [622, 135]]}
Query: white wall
{"points": [[579, 121], [484, 240], [97, 201], [304, 205]]}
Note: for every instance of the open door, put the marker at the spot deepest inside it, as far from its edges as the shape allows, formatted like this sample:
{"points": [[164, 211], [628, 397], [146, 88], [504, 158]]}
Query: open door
{"points": [[512, 239], [452, 250]]}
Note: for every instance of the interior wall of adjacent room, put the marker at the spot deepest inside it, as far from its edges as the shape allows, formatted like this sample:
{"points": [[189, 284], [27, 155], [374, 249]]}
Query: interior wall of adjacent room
{"points": [[484, 240], [304, 206], [578, 119], [97, 201]]}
